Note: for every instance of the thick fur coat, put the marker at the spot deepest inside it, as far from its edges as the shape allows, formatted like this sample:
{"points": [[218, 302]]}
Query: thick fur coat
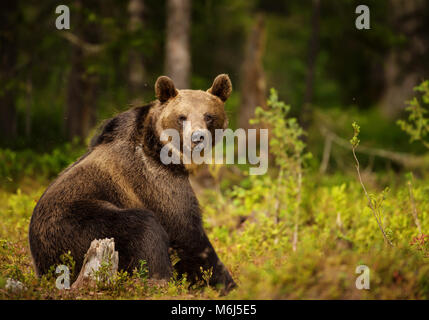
{"points": [[120, 189]]}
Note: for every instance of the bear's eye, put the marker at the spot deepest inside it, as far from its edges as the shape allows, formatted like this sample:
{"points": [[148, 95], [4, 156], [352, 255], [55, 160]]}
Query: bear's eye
{"points": [[182, 118], [208, 118]]}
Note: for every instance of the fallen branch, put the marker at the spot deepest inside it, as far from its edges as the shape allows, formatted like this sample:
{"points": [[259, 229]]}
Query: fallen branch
{"points": [[405, 159], [87, 47]]}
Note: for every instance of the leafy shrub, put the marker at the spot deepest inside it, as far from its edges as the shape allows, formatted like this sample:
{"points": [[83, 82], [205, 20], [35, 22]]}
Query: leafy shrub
{"points": [[14, 165], [417, 124]]}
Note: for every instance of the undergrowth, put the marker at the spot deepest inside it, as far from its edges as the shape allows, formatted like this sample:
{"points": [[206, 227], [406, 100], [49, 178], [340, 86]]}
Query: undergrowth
{"points": [[290, 234]]}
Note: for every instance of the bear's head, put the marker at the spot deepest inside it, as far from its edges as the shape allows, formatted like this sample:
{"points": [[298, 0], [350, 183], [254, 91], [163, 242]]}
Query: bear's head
{"points": [[192, 113]]}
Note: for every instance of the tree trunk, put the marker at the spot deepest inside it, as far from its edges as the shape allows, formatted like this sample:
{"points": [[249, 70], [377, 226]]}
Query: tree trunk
{"points": [[136, 67], [313, 49], [403, 68], [253, 85], [80, 112], [28, 109], [178, 56], [8, 54]]}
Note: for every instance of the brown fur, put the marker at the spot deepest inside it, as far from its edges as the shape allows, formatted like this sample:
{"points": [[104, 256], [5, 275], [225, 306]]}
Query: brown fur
{"points": [[121, 189]]}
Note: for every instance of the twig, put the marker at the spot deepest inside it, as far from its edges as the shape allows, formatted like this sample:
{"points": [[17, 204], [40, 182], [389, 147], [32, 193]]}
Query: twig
{"points": [[277, 203], [414, 211], [326, 154], [297, 213], [369, 199]]}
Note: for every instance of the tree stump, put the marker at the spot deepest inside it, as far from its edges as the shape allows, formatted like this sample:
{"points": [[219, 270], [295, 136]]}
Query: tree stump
{"points": [[100, 263]]}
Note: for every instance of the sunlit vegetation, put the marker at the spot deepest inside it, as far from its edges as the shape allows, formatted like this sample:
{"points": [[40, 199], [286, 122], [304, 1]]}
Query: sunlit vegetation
{"points": [[290, 234]]}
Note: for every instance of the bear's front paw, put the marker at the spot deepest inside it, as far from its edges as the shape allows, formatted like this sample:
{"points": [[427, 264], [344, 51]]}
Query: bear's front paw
{"points": [[226, 282]]}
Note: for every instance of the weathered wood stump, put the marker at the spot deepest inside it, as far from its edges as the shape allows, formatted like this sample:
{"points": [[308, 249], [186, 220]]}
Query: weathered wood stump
{"points": [[100, 263]]}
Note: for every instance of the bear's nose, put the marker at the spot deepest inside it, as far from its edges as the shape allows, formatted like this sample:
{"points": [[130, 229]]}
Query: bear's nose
{"points": [[197, 137]]}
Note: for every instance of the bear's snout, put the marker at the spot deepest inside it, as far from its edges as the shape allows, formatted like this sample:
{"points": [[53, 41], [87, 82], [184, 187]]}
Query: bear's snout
{"points": [[197, 137]]}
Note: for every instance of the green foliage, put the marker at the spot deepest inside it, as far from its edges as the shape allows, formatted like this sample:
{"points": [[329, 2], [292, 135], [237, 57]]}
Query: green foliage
{"points": [[354, 141], [417, 124], [142, 272], [105, 278], [287, 147], [16, 165], [67, 260], [206, 275], [285, 133]]}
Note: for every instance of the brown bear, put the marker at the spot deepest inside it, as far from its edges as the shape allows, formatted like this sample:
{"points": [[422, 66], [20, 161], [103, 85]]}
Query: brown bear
{"points": [[121, 189]]}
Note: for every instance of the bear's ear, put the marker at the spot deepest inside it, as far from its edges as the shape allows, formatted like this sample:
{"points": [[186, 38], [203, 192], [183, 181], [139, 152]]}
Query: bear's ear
{"points": [[165, 89], [221, 87]]}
